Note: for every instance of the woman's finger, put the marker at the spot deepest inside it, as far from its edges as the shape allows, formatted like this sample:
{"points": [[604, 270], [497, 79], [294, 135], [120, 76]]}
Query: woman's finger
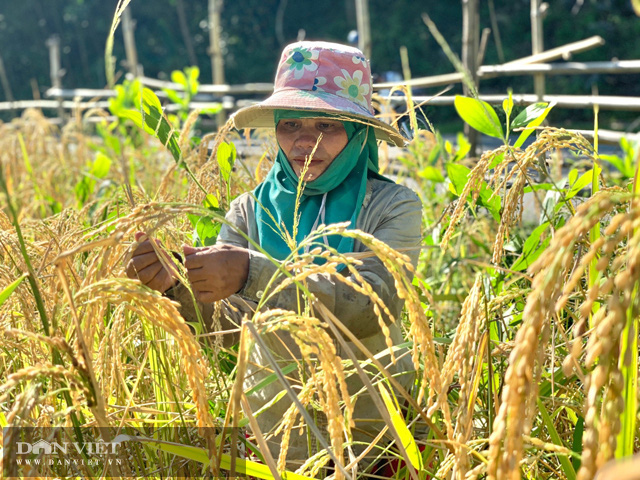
{"points": [[207, 297], [161, 282], [140, 262], [198, 274], [146, 275], [203, 285], [142, 248], [194, 261]]}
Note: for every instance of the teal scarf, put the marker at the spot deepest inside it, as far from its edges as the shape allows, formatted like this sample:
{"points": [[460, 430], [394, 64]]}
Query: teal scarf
{"points": [[344, 182]]}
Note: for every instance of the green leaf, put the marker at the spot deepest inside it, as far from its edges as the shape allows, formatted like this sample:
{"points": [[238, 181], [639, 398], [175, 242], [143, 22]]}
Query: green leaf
{"points": [[226, 157], [200, 455], [159, 125], [269, 379], [431, 173], [211, 201], [150, 100], [479, 115], [83, 189], [101, 165], [576, 185], [206, 231], [408, 442], [567, 467], [532, 125], [577, 443], [463, 147], [539, 186], [628, 364], [178, 77], [529, 251], [507, 104], [497, 160], [173, 96], [529, 114], [458, 175], [194, 73], [6, 293], [211, 110]]}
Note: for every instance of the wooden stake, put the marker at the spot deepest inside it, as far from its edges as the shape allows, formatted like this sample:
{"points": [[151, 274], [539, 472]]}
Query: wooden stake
{"points": [[537, 45], [215, 49], [128, 27], [55, 71], [470, 34], [364, 27], [5, 82]]}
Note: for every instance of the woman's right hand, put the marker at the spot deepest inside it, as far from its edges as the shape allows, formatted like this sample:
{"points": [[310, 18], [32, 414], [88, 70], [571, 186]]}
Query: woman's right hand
{"points": [[146, 266]]}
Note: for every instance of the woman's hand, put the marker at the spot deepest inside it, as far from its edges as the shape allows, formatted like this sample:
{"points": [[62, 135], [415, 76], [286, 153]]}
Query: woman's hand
{"points": [[146, 266], [216, 272]]}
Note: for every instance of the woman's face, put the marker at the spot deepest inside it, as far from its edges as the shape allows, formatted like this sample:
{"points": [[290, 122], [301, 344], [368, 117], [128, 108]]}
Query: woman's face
{"points": [[298, 137]]}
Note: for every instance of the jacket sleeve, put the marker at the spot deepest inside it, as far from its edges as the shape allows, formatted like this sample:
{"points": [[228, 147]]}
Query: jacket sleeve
{"points": [[399, 226]]}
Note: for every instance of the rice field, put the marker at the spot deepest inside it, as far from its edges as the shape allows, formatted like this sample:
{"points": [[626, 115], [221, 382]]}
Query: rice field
{"points": [[523, 336]]}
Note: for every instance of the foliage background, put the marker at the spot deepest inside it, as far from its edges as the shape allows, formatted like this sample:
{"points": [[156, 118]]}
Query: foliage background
{"points": [[252, 41]]}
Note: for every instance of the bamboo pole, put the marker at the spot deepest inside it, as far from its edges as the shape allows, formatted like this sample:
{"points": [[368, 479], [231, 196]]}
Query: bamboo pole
{"points": [[564, 52], [470, 26], [553, 54], [128, 28], [561, 101], [55, 71], [567, 68], [6, 87], [215, 49], [364, 27], [537, 44]]}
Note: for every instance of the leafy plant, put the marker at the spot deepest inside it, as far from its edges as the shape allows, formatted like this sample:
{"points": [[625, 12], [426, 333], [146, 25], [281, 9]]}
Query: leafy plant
{"points": [[188, 80]]}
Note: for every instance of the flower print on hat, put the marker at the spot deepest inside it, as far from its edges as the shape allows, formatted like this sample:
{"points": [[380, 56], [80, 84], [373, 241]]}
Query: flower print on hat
{"points": [[317, 83], [351, 87], [301, 59], [356, 59]]}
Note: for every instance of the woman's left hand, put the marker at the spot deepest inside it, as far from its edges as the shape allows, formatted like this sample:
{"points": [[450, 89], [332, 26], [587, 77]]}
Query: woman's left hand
{"points": [[216, 272]]}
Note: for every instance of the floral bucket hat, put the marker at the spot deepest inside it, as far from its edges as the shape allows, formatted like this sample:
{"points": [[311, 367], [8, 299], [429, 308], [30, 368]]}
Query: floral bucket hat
{"points": [[325, 77]]}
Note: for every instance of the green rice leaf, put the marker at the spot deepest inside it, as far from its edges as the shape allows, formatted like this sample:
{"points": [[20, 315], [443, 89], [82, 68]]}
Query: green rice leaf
{"points": [[226, 157], [532, 125], [272, 378], [6, 293], [408, 442], [529, 114], [529, 251], [629, 367], [567, 466], [197, 454]]}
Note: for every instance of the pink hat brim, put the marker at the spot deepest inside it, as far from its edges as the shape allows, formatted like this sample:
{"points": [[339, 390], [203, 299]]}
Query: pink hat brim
{"points": [[260, 115]]}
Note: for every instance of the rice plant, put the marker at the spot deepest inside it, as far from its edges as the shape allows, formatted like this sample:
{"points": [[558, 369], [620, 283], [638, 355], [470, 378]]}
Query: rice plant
{"points": [[523, 338]]}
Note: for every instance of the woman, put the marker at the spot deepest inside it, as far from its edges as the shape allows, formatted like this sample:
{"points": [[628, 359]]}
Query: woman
{"points": [[321, 110]]}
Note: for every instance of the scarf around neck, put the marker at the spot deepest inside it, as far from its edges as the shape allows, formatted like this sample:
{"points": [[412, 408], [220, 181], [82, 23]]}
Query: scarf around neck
{"points": [[335, 196]]}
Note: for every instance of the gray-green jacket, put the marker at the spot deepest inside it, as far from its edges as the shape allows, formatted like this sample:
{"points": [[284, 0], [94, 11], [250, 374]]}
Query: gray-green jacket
{"points": [[391, 213]]}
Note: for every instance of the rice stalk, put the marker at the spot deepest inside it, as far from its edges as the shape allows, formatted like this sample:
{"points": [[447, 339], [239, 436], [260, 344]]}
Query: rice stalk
{"points": [[162, 312], [518, 397], [327, 380]]}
